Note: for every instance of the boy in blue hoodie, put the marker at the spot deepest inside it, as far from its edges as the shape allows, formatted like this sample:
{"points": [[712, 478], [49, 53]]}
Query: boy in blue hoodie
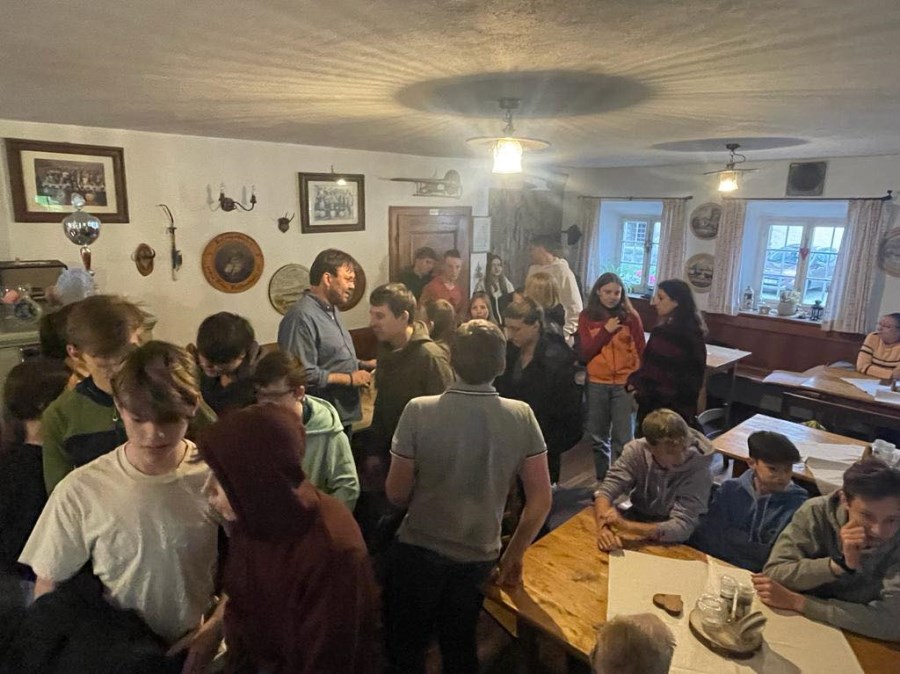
{"points": [[749, 512]]}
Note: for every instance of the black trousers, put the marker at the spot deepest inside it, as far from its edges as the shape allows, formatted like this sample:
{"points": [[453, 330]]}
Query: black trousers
{"points": [[427, 593]]}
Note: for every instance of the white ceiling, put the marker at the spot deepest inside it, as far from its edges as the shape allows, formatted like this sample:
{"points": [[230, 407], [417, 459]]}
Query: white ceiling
{"points": [[607, 82]]}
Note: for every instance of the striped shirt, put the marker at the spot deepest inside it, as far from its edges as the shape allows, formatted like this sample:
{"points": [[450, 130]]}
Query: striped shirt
{"points": [[876, 358]]}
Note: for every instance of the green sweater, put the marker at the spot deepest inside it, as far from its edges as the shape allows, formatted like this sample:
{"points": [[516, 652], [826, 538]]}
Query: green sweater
{"points": [[867, 602], [328, 462], [82, 424]]}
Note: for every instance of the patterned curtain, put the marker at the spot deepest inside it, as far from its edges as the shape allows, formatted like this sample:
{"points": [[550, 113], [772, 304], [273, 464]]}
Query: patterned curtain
{"points": [[586, 257], [672, 240], [724, 292], [848, 304]]}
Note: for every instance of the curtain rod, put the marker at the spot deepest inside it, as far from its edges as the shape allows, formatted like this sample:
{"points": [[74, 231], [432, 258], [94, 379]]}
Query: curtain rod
{"points": [[585, 196], [886, 197]]}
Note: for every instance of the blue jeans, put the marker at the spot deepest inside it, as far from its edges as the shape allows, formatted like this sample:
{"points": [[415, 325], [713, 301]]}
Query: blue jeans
{"points": [[610, 423]]}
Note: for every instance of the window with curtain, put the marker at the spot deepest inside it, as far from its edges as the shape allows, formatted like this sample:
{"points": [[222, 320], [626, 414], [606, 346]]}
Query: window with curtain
{"points": [[798, 254], [638, 253]]}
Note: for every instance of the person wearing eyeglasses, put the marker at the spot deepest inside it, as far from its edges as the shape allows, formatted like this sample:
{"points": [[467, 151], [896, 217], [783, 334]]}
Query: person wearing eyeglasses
{"points": [[879, 355], [280, 379]]}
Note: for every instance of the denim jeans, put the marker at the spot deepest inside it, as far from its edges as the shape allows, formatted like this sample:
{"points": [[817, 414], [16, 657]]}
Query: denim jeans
{"points": [[427, 593], [610, 423]]}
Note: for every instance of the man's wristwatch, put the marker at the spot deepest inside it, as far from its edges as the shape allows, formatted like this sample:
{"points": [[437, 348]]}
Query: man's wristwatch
{"points": [[842, 562]]}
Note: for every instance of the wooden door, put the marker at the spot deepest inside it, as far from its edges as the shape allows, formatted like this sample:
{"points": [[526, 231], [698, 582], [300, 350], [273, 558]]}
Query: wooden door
{"points": [[441, 228]]}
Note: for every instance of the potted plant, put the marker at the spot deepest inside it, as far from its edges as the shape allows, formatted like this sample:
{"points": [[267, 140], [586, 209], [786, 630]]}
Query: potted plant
{"points": [[787, 306]]}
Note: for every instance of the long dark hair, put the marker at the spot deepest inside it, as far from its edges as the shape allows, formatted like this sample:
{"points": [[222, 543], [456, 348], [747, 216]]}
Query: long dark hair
{"points": [[490, 281], [685, 315], [596, 310]]}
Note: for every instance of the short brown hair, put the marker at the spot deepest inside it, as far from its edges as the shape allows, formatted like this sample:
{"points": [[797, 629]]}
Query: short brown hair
{"points": [[478, 352], [102, 325], [664, 425], [871, 479], [633, 644], [277, 365], [526, 310], [443, 319], [426, 253], [397, 297], [29, 387], [159, 380]]}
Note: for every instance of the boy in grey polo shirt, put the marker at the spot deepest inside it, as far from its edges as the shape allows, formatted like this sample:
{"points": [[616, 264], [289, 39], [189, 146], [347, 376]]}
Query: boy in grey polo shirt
{"points": [[453, 459]]}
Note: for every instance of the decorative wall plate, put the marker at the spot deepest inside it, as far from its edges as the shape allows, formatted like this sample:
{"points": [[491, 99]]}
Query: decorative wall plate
{"points": [[699, 272], [286, 286], [232, 262], [705, 220], [889, 253]]}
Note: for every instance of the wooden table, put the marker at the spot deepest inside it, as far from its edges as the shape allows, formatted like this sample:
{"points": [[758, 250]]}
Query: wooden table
{"points": [[566, 585], [733, 443], [823, 390]]}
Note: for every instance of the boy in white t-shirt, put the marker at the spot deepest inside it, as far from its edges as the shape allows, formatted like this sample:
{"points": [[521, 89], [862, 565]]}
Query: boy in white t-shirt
{"points": [[138, 513]]}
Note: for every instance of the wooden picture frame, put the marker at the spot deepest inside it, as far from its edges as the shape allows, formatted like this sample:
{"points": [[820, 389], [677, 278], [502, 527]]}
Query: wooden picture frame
{"points": [[232, 262], [331, 202], [43, 176]]}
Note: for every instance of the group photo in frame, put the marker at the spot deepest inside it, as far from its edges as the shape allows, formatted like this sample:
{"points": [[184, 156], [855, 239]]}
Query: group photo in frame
{"points": [[332, 202], [44, 176]]}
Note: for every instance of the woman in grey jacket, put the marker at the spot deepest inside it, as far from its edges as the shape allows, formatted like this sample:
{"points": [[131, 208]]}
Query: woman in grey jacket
{"points": [[666, 475]]}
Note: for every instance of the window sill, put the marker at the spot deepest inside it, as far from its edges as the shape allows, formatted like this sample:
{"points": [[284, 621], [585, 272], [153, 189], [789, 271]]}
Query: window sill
{"points": [[774, 316]]}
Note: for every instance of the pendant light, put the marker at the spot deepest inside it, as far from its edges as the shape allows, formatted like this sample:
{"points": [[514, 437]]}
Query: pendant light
{"points": [[508, 149], [729, 177]]}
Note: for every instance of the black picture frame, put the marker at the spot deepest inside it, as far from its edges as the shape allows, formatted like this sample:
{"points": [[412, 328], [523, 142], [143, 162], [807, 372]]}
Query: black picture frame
{"points": [[332, 202]]}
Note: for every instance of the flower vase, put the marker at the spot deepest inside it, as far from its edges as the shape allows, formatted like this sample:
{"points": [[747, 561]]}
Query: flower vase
{"points": [[787, 308]]}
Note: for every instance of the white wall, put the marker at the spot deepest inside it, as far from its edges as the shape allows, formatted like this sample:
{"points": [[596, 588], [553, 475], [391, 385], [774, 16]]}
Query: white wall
{"points": [[846, 177], [177, 170]]}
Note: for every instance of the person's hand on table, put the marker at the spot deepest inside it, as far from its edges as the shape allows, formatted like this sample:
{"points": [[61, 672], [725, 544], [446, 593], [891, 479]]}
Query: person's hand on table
{"points": [[608, 540], [611, 517], [508, 572], [776, 595]]}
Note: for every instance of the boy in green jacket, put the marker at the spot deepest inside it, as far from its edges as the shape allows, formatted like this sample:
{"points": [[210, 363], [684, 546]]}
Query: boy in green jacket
{"points": [[838, 561]]}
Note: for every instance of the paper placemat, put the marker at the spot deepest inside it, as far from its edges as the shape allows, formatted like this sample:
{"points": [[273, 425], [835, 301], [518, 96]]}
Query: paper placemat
{"points": [[869, 386], [830, 452], [792, 643]]}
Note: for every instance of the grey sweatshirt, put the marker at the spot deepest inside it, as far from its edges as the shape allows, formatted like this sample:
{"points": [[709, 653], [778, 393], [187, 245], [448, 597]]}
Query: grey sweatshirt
{"points": [[676, 497], [867, 601]]}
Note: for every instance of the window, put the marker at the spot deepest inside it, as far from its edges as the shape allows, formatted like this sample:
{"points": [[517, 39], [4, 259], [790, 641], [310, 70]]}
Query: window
{"points": [[799, 254], [639, 251]]}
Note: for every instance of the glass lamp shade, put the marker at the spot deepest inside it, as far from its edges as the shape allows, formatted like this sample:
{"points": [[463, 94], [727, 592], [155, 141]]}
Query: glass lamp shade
{"points": [[507, 156], [728, 181]]}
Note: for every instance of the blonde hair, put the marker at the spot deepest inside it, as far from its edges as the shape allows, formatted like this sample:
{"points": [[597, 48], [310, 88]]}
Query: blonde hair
{"points": [[542, 289], [636, 644]]}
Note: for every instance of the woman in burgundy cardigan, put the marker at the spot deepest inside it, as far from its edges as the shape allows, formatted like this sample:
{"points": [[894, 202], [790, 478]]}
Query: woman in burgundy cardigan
{"points": [[674, 360]]}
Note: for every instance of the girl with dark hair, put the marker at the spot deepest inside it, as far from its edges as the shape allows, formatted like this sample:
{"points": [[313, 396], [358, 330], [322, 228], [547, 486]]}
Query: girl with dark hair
{"points": [[497, 286], [674, 361], [611, 341]]}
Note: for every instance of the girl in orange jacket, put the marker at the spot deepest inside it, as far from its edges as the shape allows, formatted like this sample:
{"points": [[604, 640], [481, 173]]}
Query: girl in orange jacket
{"points": [[611, 341]]}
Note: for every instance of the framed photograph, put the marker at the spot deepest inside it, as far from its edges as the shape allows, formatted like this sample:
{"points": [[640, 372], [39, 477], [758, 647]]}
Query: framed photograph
{"points": [[705, 220], [43, 177], [699, 272], [232, 262], [332, 202]]}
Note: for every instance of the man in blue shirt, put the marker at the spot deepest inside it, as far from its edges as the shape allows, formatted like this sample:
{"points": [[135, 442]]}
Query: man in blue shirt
{"points": [[312, 331]]}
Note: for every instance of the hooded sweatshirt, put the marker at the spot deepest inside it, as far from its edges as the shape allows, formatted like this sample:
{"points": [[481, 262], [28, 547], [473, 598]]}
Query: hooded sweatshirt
{"points": [[867, 602], [302, 597], [676, 497], [418, 369], [611, 356], [742, 525], [569, 294], [328, 462]]}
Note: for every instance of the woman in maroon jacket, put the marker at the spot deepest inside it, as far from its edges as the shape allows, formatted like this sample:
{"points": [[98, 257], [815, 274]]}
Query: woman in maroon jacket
{"points": [[674, 360], [302, 597]]}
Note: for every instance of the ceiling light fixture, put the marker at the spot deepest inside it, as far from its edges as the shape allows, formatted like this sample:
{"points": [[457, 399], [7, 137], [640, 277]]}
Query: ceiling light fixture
{"points": [[729, 177], [508, 149]]}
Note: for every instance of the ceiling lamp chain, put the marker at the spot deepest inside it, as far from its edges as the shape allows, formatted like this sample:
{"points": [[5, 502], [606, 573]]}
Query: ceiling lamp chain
{"points": [[729, 177], [507, 150]]}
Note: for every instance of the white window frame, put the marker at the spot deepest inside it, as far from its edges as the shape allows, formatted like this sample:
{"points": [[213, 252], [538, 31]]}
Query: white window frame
{"points": [[808, 223], [652, 221]]}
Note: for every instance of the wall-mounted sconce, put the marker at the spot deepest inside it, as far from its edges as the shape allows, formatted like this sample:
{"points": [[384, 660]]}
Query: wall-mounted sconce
{"points": [[227, 204]]}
